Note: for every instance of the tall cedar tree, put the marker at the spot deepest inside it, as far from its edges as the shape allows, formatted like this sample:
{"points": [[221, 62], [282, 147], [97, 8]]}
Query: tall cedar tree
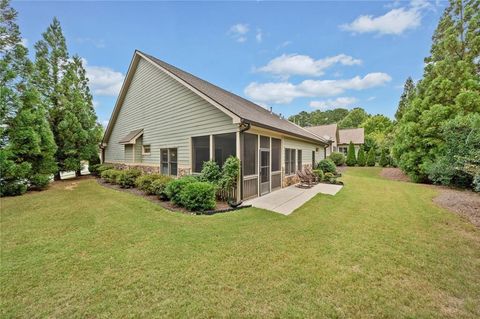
{"points": [[27, 141], [450, 88], [64, 89], [405, 98], [361, 160], [371, 157], [351, 160]]}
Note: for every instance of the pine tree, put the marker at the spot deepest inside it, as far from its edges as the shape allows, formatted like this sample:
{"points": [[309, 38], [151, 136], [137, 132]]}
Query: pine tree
{"points": [[405, 98], [450, 87], [384, 161], [361, 161], [351, 160], [27, 141], [63, 85], [371, 157]]}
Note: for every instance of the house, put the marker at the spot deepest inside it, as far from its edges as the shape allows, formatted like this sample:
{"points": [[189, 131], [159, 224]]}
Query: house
{"points": [[340, 138], [169, 121]]}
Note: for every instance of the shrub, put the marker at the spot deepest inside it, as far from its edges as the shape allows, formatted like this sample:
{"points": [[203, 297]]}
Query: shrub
{"points": [[97, 169], [327, 166], [338, 158], [144, 182], [361, 160], [110, 175], [159, 187], [319, 174], [175, 187], [230, 171], [12, 175], [371, 157], [330, 178], [351, 159], [13, 188], [40, 181], [126, 178], [198, 196], [210, 172], [384, 160]]}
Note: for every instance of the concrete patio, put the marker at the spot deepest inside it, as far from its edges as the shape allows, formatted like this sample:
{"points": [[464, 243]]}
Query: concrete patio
{"points": [[286, 200]]}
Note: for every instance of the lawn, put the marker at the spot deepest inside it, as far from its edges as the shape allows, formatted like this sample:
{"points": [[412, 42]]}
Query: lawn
{"points": [[379, 248]]}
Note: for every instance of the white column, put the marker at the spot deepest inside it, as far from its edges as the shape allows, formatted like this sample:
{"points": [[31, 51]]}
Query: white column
{"points": [[239, 156], [211, 148]]}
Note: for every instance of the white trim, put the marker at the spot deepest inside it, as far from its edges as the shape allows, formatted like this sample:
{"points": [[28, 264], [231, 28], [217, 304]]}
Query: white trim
{"points": [[143, 149]]}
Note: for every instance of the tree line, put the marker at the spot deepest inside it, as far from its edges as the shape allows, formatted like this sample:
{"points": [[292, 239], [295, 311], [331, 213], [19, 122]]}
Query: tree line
{"points": [[48, 123], [435, 136]]}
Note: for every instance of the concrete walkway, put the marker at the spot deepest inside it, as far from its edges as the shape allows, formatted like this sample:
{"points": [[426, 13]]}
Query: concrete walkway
{"points": [[286, 200]]}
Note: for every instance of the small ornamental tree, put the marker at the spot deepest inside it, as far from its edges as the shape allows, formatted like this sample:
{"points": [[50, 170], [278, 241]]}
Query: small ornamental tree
{"points": [[361, 160], [371, 157], [384, 161], [351, 160], [338, 158]]}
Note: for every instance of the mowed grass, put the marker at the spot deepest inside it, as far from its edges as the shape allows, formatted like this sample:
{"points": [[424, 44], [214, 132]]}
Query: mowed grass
{"points": [[378, 248]]}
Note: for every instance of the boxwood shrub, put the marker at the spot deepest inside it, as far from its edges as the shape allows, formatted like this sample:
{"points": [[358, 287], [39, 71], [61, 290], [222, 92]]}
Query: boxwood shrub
{"points": [[97, 169], [338, 158], [327, 166], [319, 174], [144, 182], [198, 196], [126, 178], [159, 186], [175, 187], [110, 175]]}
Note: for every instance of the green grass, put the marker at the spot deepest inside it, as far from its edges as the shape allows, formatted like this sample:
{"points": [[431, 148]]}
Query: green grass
{"points": [[378, 248]]}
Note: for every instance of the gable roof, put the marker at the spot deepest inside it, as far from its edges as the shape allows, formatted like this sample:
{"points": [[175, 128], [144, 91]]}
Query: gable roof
{"points": [[355, 135], [131, 137], [328, 132], [245, 110]]}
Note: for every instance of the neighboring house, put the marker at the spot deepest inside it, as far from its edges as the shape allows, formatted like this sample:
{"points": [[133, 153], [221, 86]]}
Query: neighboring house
{"points": [[340, 138], [169, 121]]}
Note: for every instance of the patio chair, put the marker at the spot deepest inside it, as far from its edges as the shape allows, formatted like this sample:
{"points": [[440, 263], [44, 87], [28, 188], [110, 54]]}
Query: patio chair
{"points": [[305, 180], [312, 175]]}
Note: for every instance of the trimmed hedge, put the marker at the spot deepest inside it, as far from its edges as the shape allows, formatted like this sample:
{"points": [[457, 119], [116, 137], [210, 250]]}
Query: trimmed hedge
{"points": [[198, 196], [175, 187], [126, 178], [327, 166], [97, 169], [338, 158], [110, 175], [159, 186], [144, 182]]}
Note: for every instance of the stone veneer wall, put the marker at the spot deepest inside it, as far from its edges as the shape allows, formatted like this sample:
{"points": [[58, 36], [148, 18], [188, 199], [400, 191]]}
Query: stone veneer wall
{"points": [[148, 169]]}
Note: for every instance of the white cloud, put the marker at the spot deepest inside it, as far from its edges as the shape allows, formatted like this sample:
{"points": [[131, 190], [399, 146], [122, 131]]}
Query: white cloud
{"points": [[340, 102], [239, 32], [103, 80], [259, 36], [296, 64], [395, 21], [371, 98], [286, 92]]}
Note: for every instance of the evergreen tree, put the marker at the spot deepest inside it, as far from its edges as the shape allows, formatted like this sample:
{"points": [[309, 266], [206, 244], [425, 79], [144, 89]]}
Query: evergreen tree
{"points": [[371, 157], [361, 161], [27, 141], [63, 85], [405, 98], [450, 87], [351, 160], [384, 160], [354, 118]]}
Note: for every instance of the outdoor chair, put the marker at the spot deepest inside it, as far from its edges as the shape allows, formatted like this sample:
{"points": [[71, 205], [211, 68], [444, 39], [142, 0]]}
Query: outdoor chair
{"points": [[311, 174], [305, 180]]}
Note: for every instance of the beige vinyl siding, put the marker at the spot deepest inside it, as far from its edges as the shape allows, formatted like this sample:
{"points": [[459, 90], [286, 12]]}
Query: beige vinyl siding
{"points": [[306, 148], [168, 112]]}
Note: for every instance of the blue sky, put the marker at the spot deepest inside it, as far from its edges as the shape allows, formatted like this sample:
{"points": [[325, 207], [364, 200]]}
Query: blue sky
{"points": [[291, 56]]}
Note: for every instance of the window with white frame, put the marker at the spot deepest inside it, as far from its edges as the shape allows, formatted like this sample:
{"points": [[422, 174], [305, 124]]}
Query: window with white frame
{"points": [[299, 159], [343, 149], [168, 161], [146, 149], [290, 161]]}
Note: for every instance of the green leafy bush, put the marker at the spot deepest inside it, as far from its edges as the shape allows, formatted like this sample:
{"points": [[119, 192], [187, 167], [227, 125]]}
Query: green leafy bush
{"points": [[362, 159], [319, 174], [159, 186], [330, 178], [351, 159], [40, 181], [13, 180], [97, 169], [384, 160], [175, 187], [198, 196], [327, 166], [230, 172], [144, 182], [110, 175], [371, 157], [210, 172], [338, 158], [126, 178]]}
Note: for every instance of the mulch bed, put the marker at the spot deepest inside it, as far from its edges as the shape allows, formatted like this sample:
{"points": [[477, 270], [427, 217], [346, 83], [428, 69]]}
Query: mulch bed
{"points": [[395, 174], [463, 202], [221, 207]]}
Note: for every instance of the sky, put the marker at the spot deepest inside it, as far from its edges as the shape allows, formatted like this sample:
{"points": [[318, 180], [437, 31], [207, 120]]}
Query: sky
{"points": [[291, 56]]}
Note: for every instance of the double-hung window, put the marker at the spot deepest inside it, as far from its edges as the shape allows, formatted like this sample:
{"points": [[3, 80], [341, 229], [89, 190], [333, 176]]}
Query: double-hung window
{"points": [[290, 161], [168, 161], [299, 158]]}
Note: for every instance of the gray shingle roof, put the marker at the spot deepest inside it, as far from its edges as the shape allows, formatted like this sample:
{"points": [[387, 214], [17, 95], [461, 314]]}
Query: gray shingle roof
{"points": [[128, 139], [328, 132], [355, 135], [243, 108]]}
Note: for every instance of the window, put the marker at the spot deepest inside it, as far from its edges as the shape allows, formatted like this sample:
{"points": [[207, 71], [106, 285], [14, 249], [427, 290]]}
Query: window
{"points": [[343, 149], [168, 161], [250, 154], [290, 161], [276, 154], [146, 149], [299, 158], [313, 159], [225, 146], [200, 152]]}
